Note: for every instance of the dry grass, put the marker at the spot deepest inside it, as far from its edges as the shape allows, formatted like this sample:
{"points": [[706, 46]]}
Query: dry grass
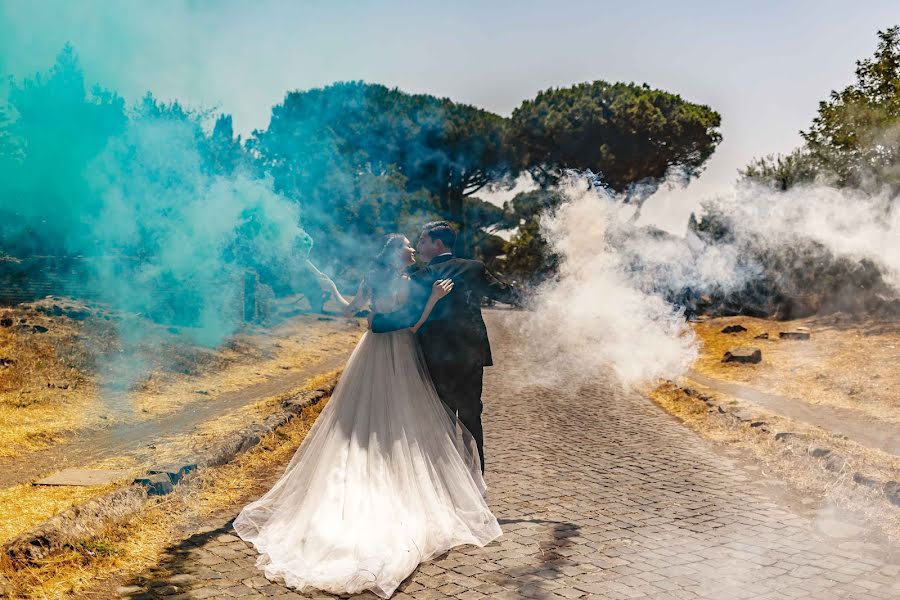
{"points": [[25, 506], [847, 365], [48, 389], [132, 546], [54, 387], [791, 462]]}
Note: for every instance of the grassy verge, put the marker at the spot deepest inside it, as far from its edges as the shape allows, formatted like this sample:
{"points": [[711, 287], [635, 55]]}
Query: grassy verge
{"points": [[129, 547], [25, 506], [791, 461]]}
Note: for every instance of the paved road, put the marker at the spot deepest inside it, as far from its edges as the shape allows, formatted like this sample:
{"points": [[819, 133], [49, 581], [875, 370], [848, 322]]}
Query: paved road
{"points": [[600, 495]]}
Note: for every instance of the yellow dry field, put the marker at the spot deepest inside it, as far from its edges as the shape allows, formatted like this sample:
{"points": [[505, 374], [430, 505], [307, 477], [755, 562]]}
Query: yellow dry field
{"points": [[138, 543], [844, 364]]}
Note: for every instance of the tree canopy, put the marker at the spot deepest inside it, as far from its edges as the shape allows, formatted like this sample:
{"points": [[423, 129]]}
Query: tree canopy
{"points": [[624, 132]]}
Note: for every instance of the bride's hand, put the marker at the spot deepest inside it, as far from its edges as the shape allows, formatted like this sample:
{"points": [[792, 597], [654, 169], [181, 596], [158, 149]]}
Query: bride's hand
{"points": [[441, 288]]}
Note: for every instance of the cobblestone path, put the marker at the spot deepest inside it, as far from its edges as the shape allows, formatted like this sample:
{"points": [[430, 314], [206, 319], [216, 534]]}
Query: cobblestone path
{"points": [[600, 495]]}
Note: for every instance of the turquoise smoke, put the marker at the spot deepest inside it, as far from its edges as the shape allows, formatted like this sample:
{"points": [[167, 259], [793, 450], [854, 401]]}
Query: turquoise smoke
{"points": [[143, 193]]}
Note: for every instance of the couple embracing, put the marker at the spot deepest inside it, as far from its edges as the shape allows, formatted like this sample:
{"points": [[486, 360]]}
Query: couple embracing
{"points": [[390, 475]]}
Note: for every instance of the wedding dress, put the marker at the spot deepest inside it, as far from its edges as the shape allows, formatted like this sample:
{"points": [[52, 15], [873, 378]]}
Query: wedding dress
{"points": [[384, 480]]}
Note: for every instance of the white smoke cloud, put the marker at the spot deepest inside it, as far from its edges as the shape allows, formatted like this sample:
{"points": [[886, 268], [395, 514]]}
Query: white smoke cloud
{"points": [[595, 314], [608, 306], [851, 224]]}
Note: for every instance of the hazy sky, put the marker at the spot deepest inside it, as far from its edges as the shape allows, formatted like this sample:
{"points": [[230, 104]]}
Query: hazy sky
{"points": [[763, 65]]}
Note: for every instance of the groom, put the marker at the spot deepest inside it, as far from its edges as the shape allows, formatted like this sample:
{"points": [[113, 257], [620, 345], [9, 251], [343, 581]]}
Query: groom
{"points": [[454, 339]]}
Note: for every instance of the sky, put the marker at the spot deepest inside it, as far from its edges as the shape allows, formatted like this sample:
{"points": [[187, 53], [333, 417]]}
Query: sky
{"points": [[763, 65]]}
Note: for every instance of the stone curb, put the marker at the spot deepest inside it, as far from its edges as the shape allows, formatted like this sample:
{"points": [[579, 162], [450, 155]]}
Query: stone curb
{"points": [[829, 459], [80, 523]]}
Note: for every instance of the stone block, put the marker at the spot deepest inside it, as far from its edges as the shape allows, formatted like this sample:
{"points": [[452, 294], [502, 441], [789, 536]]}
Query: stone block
{"points": [[743, 355], [794, 335]]}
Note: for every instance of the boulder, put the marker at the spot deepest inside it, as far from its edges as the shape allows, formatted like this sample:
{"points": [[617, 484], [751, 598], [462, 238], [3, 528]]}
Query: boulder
{"points": [[734, 329], [743, 355], [819, 451], [6, 322], [835, 462]]}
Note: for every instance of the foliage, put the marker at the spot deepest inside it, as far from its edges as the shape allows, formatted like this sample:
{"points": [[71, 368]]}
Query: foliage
{"points": [[434, 152], [854, 140], [625, 132], [782, 171], [856, 133]]}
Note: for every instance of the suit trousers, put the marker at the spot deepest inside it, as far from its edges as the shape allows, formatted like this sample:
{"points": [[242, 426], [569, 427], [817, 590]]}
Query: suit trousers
{"points": [[459, 387]]}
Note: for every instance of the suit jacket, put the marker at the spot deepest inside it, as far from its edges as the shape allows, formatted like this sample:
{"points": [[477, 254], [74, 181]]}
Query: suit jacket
{"points": [[454, 333]]}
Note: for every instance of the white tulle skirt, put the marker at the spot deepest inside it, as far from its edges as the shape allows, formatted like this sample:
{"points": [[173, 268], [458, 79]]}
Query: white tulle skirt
{"points": [[384, 480]]}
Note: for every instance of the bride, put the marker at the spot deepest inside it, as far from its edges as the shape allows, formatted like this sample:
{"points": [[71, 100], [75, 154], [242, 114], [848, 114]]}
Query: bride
{"points": [[386, 478]]}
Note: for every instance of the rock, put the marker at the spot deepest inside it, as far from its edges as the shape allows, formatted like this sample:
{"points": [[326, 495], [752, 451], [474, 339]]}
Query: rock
{"points": [[757, 424], [734, 329], [794, 335], [129, 590], [175, 472], [835, 463], [892, 492], [6, 322], [7, 362], [743, 416], [39, 329], [798, 307], [743, 355], [866, 481], [763, 336], [788, 436], [157, 485], [818, 451]]}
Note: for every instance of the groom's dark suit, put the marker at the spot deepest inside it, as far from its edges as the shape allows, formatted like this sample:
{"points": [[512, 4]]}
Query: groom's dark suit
{"points": [[454, 339]]}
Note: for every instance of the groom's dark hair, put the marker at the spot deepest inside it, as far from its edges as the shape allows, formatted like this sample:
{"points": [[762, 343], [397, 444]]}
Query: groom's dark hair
{"points": [[441, 230]]}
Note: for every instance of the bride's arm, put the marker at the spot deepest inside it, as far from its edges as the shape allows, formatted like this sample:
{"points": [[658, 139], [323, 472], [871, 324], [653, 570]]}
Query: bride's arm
{"points": [[441, 288], [351, 307]]}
